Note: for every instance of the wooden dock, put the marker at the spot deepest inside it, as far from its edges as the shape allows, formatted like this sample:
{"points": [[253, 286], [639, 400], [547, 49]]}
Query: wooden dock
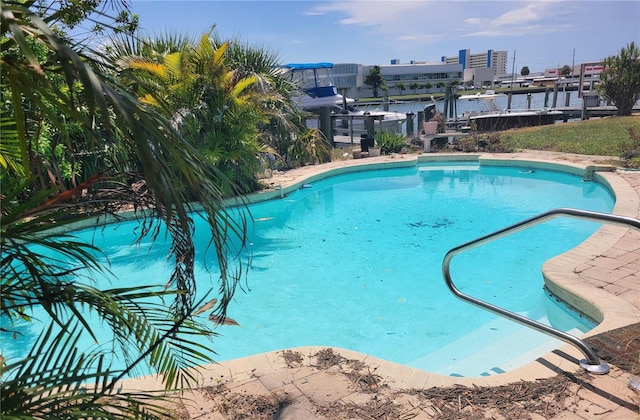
{"points": [[576, 112]]}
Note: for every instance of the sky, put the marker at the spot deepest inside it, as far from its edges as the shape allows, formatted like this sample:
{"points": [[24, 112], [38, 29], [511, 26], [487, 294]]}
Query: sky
{"points": [[539, 34]]}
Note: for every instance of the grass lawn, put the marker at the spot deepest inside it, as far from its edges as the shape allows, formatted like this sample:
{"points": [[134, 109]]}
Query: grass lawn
{"points": [[603, 136]]}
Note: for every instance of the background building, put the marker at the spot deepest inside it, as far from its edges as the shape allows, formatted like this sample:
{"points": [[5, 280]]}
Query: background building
{"points": [[496, 60], [414, 78], [482, 68]]}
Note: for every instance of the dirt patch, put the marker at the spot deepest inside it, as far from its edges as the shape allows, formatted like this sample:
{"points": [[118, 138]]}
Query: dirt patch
{"points": [[362, 376], [292, 358], [619, 347], [237, 406], [373, 399], [521, 400]]}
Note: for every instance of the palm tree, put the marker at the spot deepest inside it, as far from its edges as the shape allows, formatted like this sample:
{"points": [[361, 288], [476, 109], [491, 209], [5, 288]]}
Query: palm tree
{"points": [[401, 87], [375, 80], [259, 118], [283, 128], [414, 86], [212, 106], [111, 152]]}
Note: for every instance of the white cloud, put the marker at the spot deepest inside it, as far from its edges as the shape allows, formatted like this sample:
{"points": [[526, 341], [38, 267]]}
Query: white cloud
{"points": [[533, 17], [426, 29], [429, 20], [533, 12], [476, 21], [314, 13], [371, 13]]}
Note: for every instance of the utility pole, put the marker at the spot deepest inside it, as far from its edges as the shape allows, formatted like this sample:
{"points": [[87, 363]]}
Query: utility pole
{"points": [[513, 68], [513, 75], [573, 62]]}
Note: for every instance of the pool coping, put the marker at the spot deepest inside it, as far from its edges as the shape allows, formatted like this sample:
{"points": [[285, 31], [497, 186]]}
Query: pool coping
{"points": [[559, 274]]}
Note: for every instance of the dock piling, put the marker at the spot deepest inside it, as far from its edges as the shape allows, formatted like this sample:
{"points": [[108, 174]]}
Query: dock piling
{"points": [[410, 124]]}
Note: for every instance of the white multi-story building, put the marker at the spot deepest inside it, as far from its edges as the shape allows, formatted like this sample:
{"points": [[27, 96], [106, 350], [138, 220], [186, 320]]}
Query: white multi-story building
{"points": [[496, 60], [481, 68]]}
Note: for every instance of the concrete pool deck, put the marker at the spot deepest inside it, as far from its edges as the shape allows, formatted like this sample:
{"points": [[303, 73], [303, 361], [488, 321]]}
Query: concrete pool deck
{"points": [[601, 277]]}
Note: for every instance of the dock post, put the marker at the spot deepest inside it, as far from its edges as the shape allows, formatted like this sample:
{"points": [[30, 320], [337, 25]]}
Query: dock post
{"points": [[326, 124], [385, 104], [420, 120], [528, 100], [409, 124], [567, 98], [509, 101], [555, 95], [585, 113], [445, 106], [546, 98], [369, 126]]}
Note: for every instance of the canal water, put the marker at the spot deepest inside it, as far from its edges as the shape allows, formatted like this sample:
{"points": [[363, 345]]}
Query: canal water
{"points": [[518, 102]]}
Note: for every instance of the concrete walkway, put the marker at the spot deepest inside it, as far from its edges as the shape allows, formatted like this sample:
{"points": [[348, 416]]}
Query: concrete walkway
{"points": [[601, 277]]}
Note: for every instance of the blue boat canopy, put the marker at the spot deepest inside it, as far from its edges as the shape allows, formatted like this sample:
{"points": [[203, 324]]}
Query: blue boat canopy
{"points": [[304, 66]]}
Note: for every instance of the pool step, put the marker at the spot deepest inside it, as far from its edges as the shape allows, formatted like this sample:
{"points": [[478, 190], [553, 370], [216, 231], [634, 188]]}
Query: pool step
{"points": [[494, 348]]}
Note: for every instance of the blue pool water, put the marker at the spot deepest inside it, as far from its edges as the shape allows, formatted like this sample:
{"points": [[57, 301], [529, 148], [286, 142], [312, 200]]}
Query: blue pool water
{"points": [[354, 261]]}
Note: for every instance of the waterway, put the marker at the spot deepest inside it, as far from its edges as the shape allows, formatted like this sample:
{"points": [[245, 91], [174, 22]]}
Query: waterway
{"points": [[519, 101]]}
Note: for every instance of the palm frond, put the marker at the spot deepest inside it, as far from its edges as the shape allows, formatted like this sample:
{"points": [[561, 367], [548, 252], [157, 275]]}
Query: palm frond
{"points": [[143, 147], [11, 156], [56, 380]]}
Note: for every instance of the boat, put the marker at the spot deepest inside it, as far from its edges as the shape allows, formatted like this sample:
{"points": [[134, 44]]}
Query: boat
{"points": [[492, 118], [316, 83], [319, 91], [387, 121]]}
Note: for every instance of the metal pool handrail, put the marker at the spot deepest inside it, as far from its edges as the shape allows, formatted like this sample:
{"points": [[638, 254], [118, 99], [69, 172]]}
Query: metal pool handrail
{"points": [[592, 363]]}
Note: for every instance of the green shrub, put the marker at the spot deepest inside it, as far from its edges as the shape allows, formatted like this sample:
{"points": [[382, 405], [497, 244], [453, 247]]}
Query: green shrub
{"points": [[631, 157], [486, 142], [468, 143], [492, 142], [390, 142]]}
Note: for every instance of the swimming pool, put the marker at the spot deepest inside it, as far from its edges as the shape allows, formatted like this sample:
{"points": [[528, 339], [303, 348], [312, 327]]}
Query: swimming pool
{"points": [[354, 261]]}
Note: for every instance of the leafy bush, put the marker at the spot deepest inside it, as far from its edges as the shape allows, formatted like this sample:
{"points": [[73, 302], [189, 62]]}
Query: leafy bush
{"points": [[440, 119], [489, 142], [492, 142], [390, 142], [631, 157], [620, 79], [468, 143]]}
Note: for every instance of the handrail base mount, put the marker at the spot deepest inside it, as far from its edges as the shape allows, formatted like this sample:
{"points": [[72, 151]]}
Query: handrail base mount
{"points": [[599, 369]]}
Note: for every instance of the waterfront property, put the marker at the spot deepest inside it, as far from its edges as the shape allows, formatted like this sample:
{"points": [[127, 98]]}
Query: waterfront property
{"points": [[603, 271]]}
